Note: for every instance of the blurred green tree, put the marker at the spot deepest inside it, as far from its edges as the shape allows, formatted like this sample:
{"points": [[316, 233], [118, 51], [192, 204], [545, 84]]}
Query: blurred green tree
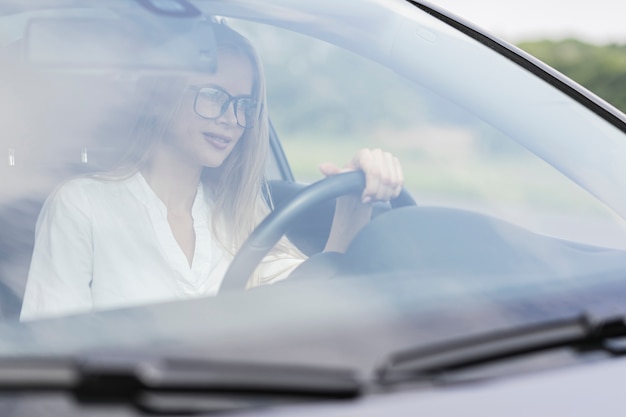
{"points": [[600, 68]]}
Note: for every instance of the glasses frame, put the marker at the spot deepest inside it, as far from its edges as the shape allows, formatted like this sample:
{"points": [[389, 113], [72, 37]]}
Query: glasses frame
{"points": [[231, 99]]}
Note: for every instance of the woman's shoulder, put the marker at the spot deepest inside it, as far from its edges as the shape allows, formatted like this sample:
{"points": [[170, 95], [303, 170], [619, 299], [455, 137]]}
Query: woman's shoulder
{"points": [[79, 191]]}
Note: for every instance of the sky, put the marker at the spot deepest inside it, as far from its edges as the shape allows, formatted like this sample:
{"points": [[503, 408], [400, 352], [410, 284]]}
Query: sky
{"points": [[595, 21]]}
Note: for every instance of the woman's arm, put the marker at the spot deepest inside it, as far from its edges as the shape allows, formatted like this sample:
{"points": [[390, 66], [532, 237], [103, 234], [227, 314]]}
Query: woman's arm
{"points": [[60, 273], [383, 181]]}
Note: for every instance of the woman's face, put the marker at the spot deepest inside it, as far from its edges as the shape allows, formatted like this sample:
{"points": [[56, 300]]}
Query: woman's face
{"points": [[208, 141]]}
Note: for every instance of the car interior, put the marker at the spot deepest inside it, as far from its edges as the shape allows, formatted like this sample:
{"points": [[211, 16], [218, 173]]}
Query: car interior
{"points": [[404, 237]]}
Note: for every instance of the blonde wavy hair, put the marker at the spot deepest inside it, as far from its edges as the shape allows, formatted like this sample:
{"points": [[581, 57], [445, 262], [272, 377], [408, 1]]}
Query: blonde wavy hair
{"points": [[237, 185]]}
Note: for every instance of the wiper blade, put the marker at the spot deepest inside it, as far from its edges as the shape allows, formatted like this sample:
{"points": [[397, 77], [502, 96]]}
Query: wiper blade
{"points": [[176, 385], [427, 362]]}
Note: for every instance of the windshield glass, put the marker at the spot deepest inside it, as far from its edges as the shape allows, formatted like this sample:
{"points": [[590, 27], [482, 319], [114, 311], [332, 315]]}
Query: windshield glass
{"points": [[143, 142]]}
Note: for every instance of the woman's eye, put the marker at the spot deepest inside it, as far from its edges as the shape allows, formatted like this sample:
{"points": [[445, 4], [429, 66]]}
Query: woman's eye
{"points": [[214, 97]]}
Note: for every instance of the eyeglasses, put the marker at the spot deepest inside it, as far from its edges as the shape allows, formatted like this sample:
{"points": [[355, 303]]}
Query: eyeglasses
{"points": [[211, 102]]}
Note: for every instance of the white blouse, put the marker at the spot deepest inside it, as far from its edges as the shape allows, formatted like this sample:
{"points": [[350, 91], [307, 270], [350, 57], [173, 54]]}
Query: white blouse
{"points": [[106, 244]]}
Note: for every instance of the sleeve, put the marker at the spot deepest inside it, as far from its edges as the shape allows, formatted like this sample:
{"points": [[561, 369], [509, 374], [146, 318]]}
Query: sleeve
{"points": [[60, 273]]}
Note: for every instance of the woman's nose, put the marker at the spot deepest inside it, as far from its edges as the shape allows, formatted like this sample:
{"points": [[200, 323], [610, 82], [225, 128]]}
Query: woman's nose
{"points": [[228, 116]]}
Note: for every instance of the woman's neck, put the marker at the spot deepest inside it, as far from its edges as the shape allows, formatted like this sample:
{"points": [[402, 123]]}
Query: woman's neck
{"points": [[174, 181]]}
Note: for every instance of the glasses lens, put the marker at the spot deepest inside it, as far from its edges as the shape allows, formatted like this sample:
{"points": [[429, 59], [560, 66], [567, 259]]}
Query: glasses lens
{"points": [[245, 111], [211, 102]]}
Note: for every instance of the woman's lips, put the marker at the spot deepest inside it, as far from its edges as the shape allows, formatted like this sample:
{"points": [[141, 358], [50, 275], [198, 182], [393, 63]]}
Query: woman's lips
{"points": [[217, 141]]}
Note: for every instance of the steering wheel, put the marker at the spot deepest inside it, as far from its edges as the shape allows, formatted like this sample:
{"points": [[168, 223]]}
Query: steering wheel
{"points": [[274, 226]]}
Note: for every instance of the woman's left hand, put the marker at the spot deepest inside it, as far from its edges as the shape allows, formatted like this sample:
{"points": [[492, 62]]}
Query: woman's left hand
{"points": [[383, 182], [383, 174]]}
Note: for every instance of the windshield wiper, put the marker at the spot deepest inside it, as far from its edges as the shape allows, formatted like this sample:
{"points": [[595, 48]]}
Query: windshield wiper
{"points": [[175, 385], [429, 362]]}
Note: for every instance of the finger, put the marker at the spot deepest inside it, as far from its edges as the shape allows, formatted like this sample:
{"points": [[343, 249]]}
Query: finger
{"points": [[365, 160], [399, 176], [388, 177], [397, 181], [328, 169]]}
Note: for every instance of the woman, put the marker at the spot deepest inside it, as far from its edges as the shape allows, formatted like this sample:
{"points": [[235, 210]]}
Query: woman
{"points": [[167, 223]]}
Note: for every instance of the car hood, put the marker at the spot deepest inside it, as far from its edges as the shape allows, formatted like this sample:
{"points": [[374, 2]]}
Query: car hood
{"points": [[351, 322]]}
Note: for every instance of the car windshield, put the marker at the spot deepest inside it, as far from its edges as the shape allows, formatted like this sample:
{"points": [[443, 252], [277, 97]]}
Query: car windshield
{"points": [[143, 141]]}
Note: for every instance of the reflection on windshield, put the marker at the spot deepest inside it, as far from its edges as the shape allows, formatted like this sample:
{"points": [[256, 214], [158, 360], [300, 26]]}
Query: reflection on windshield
{"points": [[451, 157], [146, 181], [165, 221]]}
